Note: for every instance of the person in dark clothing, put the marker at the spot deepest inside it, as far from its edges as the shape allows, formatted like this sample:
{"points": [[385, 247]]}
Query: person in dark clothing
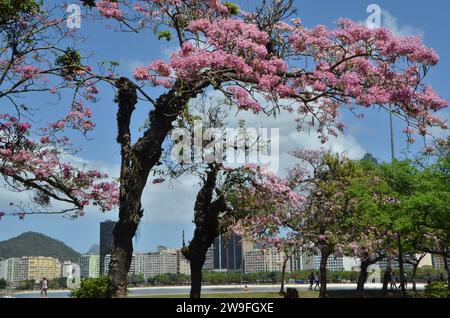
{"points": [[311, 280], [317, 281]]}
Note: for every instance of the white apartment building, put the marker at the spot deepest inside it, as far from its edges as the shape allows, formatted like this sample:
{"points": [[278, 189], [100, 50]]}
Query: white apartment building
{"points": [[338, 263], [301, 262], [267, 260], [17, 270], [183, 265], [89, 266], [209, 261], [152, 264]]}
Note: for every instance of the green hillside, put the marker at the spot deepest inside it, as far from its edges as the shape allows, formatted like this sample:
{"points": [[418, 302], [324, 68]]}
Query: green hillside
{"points": [[37, 244]]}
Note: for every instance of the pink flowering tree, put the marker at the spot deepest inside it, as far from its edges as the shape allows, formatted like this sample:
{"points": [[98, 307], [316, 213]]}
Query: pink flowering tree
{"points": [[37, 159], [327, 217], [42, 165], [34, 57], [246, 56], [263, 209]]}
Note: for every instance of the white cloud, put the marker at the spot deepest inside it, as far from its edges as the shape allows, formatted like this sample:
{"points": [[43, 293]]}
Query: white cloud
{"points": [[129, 65], [391, 22]]}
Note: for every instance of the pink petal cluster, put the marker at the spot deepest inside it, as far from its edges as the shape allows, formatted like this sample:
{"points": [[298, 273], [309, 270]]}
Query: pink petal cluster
{"points": [[243, 99], [109, 9]]}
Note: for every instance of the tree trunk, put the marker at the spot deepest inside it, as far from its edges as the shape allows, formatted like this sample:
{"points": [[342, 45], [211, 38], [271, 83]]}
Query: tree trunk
{"points": [[206, 228], [401, 266], [414, 274], [196, 276], [283, 274], [362, 276], [137, 162], [323, 275], [386, 278]]}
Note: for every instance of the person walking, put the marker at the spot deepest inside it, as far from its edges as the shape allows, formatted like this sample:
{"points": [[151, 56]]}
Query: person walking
{"points": [[393, 281], [44, 287], [317, 281], [405, 280], [311, 280]]}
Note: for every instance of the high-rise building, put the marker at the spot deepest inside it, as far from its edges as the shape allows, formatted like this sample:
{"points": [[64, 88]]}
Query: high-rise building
{"points": [[228, 253], [438, 261], [183, 265], [338, 263], [265, 260], [17, 270], [209, 260], [394, 264], [301, 262], [40, 266], [90, 266], [106, 243], [163, 262], [32, 268], [151, 264]]}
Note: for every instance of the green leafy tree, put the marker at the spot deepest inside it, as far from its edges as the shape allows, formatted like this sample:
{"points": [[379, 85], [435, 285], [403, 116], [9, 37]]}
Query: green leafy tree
{"points": [[92, 288], [13, 9], [3, 283]]}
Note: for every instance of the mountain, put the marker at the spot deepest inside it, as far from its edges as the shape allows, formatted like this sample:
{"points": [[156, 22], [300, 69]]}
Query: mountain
{"points": [[37, 244], [94, 250]]}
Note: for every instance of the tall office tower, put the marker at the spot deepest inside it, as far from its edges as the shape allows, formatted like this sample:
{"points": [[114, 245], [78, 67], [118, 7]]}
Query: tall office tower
{"points": [[228, 253], [106, 243]]}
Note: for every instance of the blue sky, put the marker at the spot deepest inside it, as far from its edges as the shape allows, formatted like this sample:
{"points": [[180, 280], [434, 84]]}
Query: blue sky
{"points": [[168, 209]]}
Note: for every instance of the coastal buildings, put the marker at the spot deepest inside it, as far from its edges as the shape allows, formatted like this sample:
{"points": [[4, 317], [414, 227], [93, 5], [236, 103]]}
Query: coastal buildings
{"points": [[338, 263], [31, 268], [267, 260], [89, 266], [183, 265], [227, 253], [163, 261], [438, 261]]}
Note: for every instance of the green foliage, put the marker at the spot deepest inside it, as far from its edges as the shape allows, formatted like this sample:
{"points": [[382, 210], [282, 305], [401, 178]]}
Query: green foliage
{"points": [[92, 288], [27, 285], [13, 9], [169, 279], [437, 290], [36, 244], [167, 35], [135, 279], [58, 283], [3, 283], [233, 8], [69, 62]]}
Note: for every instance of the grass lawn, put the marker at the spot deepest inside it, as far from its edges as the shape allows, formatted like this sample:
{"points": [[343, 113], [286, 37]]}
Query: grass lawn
{"points": [[302, 294]]}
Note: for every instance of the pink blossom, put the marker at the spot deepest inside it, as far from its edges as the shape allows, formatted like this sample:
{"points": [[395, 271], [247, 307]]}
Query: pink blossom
{"points": [[109, 9]]}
